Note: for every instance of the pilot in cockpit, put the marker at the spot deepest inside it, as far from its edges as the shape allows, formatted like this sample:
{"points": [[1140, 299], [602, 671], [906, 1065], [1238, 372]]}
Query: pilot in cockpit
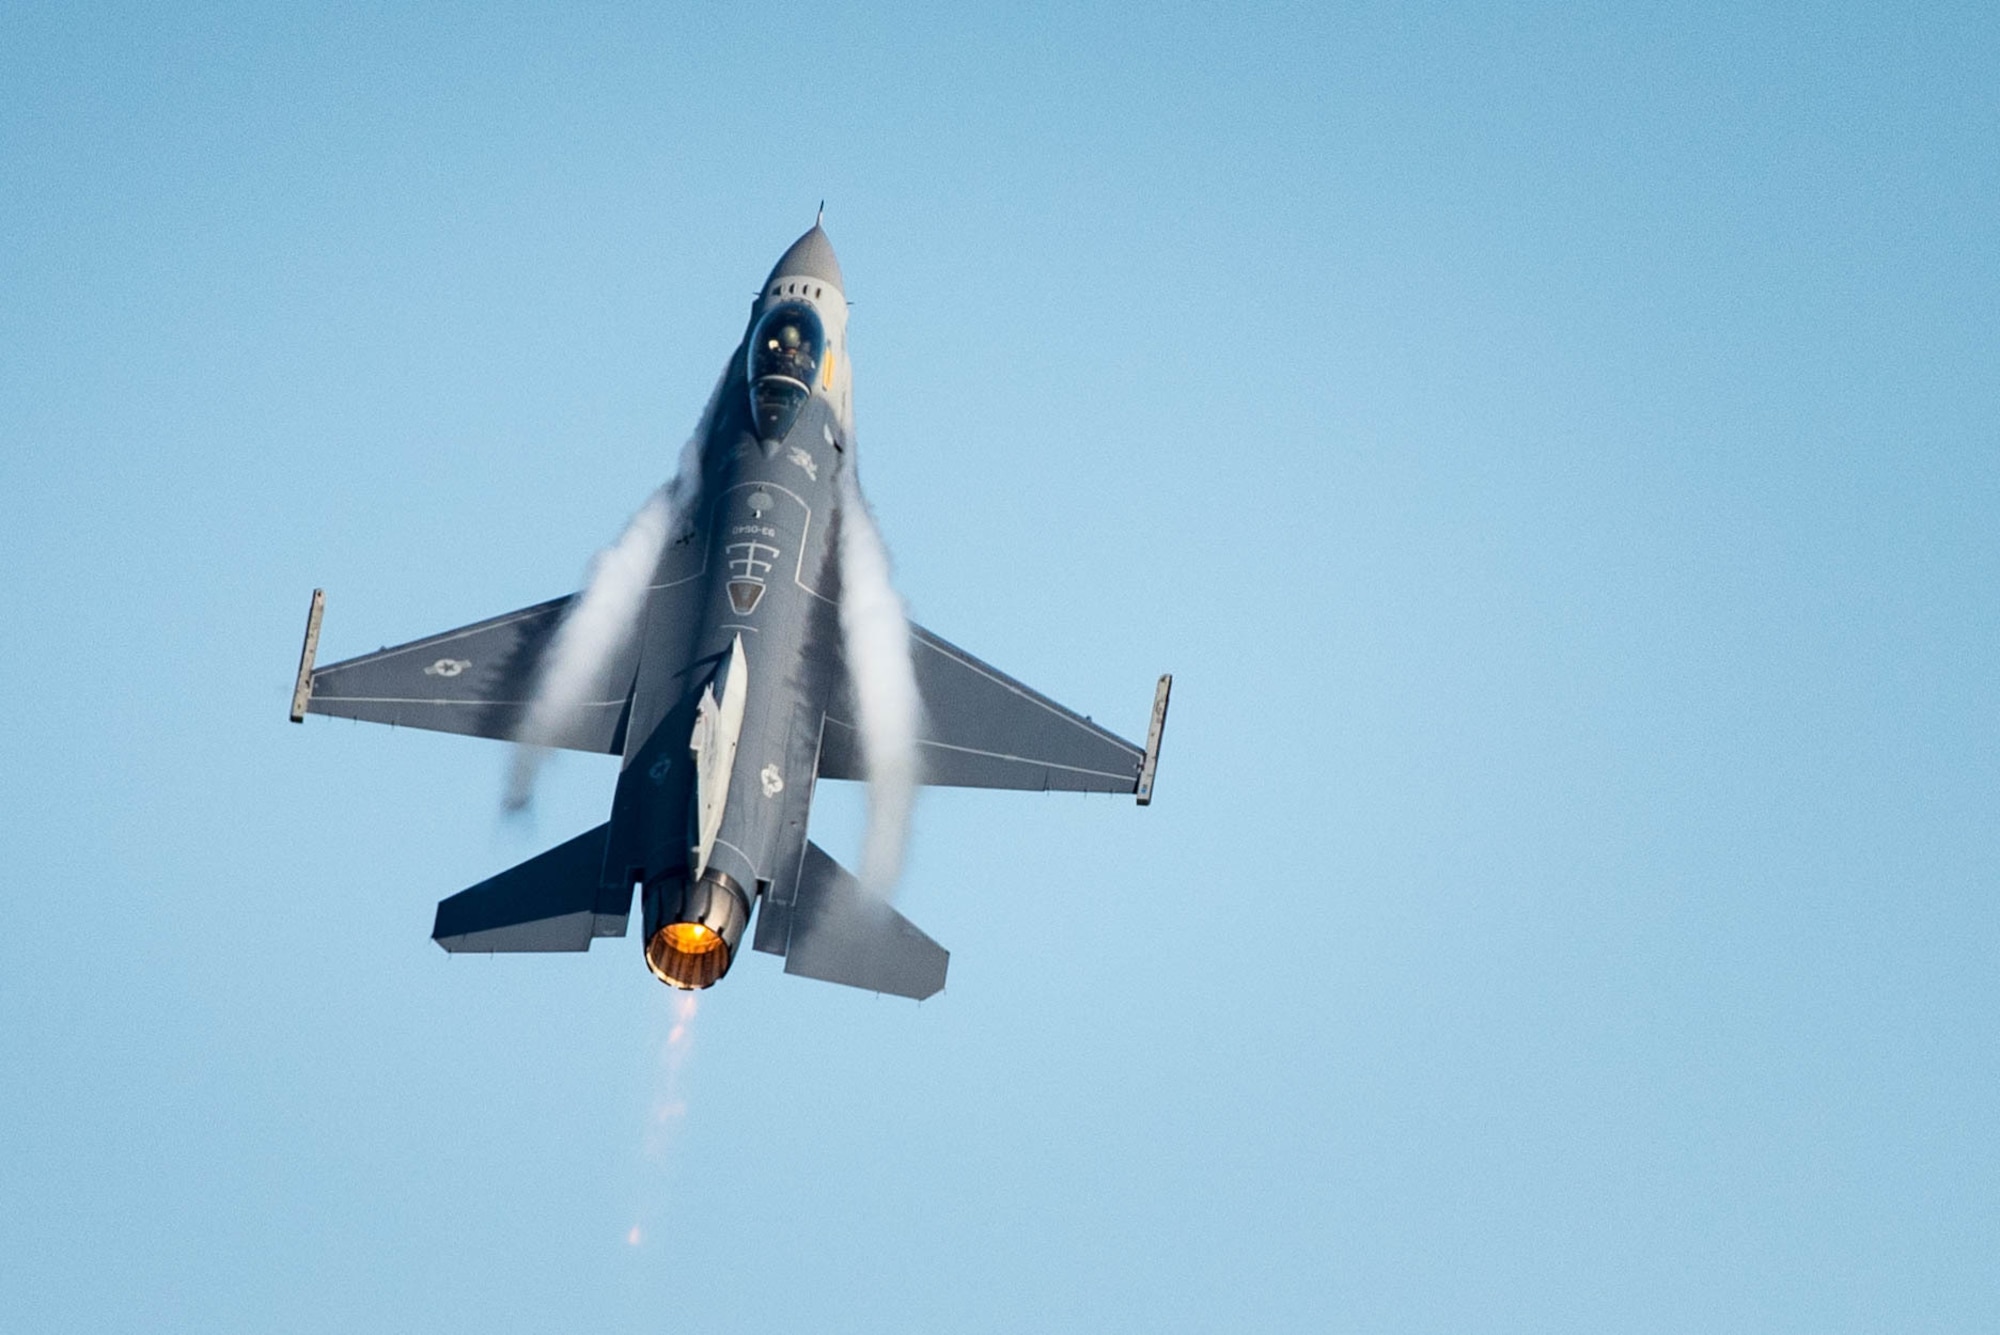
{"points": [[790, 353], [785, 353]]}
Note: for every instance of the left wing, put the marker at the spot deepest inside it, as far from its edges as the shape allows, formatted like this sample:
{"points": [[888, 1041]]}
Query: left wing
{"points": [[474, 680], [983, 729]]}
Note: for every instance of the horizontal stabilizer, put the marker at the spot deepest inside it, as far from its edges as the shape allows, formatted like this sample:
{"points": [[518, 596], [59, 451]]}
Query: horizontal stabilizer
{"points": [[553, 901], [842, 934]]}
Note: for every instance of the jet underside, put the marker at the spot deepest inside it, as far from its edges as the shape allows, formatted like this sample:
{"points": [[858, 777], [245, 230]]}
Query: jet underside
{"points": [[729, 698]]}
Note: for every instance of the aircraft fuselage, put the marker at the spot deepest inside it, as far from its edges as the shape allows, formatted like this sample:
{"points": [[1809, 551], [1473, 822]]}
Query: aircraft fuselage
{"points": [[728, 681], [759, 544]]}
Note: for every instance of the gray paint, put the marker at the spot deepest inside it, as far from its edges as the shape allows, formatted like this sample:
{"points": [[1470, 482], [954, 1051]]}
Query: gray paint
{"points": [[983, 729], [475, 680], [767, 514], [550, 902], [842, 934], [811, 256]]}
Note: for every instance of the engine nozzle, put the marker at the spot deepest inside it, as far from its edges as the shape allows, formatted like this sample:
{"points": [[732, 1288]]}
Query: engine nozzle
{"points": [[692, 929]]}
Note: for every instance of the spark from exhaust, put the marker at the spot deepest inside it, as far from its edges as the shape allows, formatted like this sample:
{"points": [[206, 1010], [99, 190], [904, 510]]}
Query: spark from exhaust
{"points": [[670, 1096], [600, 623], [875, 632]]}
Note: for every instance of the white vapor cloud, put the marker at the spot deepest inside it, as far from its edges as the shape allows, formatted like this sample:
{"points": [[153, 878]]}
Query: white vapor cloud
{"points": [[600, 624], [875, 633]]}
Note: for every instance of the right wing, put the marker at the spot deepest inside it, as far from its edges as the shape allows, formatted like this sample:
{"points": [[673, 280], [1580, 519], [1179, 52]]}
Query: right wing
{"points": [[983, 729], [475, 680]]}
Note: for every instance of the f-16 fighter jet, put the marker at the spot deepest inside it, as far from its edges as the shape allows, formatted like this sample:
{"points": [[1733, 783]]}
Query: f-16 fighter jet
{"points": [[739, 644]]}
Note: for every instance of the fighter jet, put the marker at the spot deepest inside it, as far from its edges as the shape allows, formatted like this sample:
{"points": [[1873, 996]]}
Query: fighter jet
{"points": [[729, 695]]}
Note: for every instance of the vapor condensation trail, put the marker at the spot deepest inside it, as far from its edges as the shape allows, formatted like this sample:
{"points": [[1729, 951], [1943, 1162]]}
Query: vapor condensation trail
{"points": [[601, 623], [875, 633]]}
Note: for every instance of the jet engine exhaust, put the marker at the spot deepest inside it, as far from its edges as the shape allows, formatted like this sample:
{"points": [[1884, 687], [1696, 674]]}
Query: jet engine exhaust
{"points": [[692, 930], [875, 633]]}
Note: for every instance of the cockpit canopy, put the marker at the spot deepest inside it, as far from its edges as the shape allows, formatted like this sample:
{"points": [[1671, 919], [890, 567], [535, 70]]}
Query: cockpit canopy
{"points": [[785, 353]]}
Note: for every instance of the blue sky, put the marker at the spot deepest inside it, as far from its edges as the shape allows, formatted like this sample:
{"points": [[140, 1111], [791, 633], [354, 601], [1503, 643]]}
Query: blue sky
{"points": [[1556, 453]]}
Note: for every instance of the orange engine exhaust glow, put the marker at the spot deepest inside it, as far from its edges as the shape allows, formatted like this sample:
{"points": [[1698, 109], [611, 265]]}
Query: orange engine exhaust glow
{"points": [[687, 955], [691, 938], [692, 930]]}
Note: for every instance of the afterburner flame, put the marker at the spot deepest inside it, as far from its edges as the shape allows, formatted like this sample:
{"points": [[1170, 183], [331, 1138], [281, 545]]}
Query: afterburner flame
{"points": [[691, 938], [692, 930], [687, 955]]}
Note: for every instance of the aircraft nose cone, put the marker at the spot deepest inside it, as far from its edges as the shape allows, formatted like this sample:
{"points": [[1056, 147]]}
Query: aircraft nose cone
{"points": [[811, 256]]}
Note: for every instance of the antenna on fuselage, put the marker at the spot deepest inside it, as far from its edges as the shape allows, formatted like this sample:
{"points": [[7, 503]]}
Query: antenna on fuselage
{"points": [[820, 217]]}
